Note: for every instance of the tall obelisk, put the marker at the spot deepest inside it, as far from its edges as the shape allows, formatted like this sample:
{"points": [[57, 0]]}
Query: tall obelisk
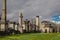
{"points": [[3, 11], [20, 23], [3, 17]]}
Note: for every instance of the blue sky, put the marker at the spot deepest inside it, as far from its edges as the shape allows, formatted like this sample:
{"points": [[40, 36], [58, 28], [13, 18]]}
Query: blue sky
{"points": [[56, 17]]}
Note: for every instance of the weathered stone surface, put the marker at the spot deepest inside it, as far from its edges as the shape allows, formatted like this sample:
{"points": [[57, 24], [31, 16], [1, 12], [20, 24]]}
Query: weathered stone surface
{"points": [[20, 23], [37, 23], [3, 18]]}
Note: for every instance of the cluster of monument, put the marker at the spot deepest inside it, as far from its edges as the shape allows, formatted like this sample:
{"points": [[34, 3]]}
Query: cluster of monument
{"points": [[26, 26]]}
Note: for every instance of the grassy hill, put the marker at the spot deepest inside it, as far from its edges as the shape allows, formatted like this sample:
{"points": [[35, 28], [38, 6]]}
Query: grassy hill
{"points": [[32, 36]]}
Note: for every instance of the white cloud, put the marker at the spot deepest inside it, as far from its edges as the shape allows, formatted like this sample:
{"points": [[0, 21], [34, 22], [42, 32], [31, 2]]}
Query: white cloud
{"points": [[59, 16]]}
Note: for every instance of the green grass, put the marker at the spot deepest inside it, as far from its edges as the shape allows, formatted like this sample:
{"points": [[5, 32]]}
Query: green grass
{"points": [[32, 36]]}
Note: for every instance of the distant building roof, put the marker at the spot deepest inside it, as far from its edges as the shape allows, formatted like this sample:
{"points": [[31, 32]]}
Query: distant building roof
{"points": [[48, 24]]}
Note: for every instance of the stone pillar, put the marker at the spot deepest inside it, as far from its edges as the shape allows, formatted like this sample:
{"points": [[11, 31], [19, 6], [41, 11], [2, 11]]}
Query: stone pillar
{"points": [[3, 18], [37, 23], [27, 25], [57, 28], [20, 23], [33, 25]]}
